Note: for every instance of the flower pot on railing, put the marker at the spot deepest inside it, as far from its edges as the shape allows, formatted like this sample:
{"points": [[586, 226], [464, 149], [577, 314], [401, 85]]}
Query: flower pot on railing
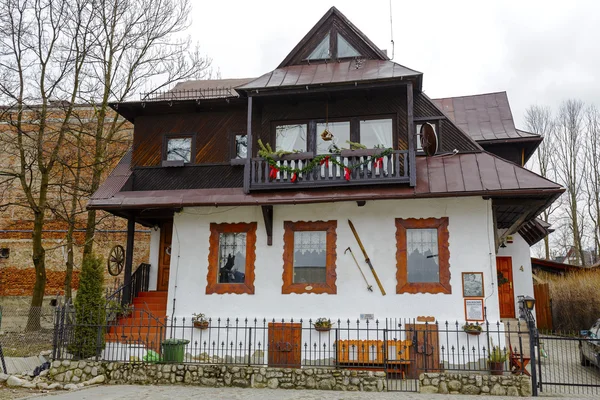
{"points": [[496, 367], [473, 332], [201, 324]]}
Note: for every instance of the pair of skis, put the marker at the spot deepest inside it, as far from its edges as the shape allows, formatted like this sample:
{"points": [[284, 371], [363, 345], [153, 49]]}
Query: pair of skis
{"points": [[367, 260]]}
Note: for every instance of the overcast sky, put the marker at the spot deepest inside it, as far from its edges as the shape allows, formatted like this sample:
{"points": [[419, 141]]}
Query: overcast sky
{"points": [[539, 52]]}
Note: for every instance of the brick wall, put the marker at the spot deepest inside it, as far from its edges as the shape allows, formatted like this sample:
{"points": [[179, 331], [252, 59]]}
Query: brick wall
{"points": [[19, 281]]}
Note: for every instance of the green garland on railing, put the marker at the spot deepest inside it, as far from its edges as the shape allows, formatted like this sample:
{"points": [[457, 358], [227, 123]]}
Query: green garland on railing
{"points": [[275, 167]]}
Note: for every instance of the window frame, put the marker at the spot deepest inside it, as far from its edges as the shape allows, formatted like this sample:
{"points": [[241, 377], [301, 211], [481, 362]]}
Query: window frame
{"points": [[165, 145], [212, 286], [233, 148], [402, 285], [329, 286], [311, 133]]}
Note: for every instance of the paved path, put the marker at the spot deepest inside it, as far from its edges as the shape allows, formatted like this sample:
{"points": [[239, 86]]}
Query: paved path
{"points": [[133, 392]]}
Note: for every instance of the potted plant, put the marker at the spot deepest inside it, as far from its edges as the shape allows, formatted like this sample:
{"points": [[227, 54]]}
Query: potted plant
{"points": [[472, 329], [496, 360], [323, 324], [200, 321]]}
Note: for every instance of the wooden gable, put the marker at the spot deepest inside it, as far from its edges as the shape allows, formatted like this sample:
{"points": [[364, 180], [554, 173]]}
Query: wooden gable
{"points": [[338, 31]]}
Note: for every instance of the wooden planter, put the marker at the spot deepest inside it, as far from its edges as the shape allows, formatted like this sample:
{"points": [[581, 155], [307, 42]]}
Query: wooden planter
{"points": [[361, 152], [473, 332], [496, 368], [201, 324], [322, 328]]}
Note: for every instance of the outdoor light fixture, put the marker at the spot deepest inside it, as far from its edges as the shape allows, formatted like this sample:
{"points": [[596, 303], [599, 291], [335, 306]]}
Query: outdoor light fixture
{"points": [[503, 245], [529, 302]]}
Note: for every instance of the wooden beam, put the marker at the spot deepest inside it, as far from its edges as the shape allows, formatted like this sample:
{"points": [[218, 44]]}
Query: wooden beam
{"points": [[426, 119], [128, 261], [268, 216], [249, 153], [412, 148]]}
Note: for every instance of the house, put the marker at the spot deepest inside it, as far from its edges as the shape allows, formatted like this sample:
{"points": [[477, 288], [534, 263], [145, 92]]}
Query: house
{"points": [[243, 230], [572, 258]]}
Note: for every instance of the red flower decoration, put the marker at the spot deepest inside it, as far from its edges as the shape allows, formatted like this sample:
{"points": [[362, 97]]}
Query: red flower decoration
{"points": [[273, 172], [379, 162], [294, 177], [325, 161], [347, 173]]}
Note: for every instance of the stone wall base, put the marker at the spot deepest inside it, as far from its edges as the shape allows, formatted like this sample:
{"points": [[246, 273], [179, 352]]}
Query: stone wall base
{"points": [[451, 383], [219, 375]]}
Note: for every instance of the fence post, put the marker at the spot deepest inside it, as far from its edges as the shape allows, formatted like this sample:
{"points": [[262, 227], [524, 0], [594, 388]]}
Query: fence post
{"points": [[249, 346], [525, 312], [55, 333]]}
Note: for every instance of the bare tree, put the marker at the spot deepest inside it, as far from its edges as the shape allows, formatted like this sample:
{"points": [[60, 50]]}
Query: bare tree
{"points": [[137, 45], [592, 155], [570, 168], [43, 48], [539, 120]]}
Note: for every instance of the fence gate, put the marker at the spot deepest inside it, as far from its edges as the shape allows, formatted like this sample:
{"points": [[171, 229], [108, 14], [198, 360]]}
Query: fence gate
{"points": [[568, 364], [399, 357]]}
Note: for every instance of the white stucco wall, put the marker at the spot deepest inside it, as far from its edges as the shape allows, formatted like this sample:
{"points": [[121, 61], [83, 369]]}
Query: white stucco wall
{"points": [[153, 258], [520, 253], [471, 249]]}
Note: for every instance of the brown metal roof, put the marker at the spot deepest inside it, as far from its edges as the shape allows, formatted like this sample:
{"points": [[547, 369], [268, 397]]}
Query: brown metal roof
{"points": [[535, 230], [204, 84], [485, 117], [117, 179], [475, 174], [330, 73]]}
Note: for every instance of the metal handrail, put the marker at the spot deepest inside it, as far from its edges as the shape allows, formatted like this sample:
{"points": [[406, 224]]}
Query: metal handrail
{"points": [[140, 281]]}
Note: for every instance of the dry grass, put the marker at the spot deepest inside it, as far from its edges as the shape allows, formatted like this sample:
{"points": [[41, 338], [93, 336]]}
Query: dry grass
{"points": [[575, 300]]}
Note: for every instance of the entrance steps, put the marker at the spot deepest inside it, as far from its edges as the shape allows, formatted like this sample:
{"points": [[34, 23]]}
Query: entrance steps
{"points": [[145, 323]]}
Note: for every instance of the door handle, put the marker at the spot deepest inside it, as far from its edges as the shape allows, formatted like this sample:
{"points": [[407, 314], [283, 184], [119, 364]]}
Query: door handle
{"points": [[510, 284]]}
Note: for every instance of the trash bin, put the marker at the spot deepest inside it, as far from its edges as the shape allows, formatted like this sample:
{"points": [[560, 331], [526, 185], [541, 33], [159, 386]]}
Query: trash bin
{"points": [[173, 350]]}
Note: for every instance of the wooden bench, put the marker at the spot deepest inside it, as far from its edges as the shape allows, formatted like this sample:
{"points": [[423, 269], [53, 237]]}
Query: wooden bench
{"points": [[370, 353]]}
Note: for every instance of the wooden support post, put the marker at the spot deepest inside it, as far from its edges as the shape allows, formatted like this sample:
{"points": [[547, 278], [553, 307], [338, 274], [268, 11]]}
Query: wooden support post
{"points": [[128, 261], [412, 147], [250, 151], [268, 216]]}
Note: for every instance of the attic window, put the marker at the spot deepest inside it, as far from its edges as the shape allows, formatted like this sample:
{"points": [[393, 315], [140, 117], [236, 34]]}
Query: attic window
{"points": [[322, 51], [178, 148], [345, 49]]}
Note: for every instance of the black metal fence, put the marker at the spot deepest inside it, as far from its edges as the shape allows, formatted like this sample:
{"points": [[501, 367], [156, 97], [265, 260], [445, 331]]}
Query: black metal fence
{"points": [[399, 345]]}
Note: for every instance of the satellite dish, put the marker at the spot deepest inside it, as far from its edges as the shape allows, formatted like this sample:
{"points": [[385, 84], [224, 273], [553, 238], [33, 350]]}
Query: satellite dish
{"points": [[429, 142]]}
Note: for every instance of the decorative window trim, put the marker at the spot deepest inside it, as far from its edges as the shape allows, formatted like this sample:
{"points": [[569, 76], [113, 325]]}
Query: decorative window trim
{"points": [[288, 257], [403, 286], [179, 136], [213, 287]]}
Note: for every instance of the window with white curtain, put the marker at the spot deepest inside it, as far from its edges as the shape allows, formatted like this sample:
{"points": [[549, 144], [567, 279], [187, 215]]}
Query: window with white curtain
{"points": [[338, 135], [376, 133], [291, 137]]}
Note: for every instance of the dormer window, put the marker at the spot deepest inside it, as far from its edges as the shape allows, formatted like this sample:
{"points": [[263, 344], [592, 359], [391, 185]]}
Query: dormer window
{"points": [[321, 52], [345, 49], [178, 150], [328, 48]]}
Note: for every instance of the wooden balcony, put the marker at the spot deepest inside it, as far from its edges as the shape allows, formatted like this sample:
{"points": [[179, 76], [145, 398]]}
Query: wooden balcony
{"points": [[393, 168]]}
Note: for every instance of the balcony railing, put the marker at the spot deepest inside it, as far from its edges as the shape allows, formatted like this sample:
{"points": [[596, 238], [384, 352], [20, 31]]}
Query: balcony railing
{"points": [[393, 168]]}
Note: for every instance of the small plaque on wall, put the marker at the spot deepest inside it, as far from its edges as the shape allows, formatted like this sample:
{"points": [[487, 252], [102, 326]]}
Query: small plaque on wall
{"points": [[474, 310], [367, 316]]}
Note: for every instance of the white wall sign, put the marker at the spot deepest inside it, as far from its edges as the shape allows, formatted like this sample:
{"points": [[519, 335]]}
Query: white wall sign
{"points": [[474, 310]]}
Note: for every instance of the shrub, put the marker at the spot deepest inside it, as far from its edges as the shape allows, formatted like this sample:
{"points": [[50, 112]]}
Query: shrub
{"points": [[88, 334], [575, 300]]}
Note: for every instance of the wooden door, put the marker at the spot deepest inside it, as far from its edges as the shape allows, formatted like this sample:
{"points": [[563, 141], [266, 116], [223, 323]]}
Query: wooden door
{"points": [[164, 257], [543, 306], [506, 294], [424, 349], [285, 344]]}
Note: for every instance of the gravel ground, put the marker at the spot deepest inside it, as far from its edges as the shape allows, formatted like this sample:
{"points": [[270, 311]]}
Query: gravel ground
{"points": [[133, 392], [7, 393]]}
